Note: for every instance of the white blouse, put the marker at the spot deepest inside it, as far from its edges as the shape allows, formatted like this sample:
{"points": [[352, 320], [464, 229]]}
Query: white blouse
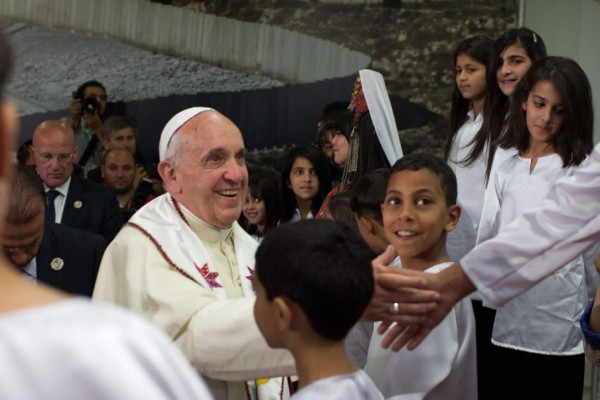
{"points": [[545, 318]]}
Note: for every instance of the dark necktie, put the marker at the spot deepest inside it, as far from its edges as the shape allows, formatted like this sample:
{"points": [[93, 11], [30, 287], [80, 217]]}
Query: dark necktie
{"points": [[51, 211]]}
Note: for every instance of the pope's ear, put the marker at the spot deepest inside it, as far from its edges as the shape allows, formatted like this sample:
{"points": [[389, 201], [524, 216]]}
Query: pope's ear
{"points": [[8, 136], [168, 174]]}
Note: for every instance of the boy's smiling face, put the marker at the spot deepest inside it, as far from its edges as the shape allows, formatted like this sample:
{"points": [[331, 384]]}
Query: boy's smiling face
{"points": [[416, 218]]}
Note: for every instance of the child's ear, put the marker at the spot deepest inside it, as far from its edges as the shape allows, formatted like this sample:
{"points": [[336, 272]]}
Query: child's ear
{"points": [[454, 212], [284, 313]]}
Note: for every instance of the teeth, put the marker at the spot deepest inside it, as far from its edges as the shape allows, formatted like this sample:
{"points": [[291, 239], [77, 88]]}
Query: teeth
{"points": [[405, 233], [229, 192]]}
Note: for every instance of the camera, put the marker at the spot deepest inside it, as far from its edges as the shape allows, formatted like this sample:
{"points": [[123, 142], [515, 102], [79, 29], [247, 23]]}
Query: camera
{"points": [[140, 196], [89, 105]]}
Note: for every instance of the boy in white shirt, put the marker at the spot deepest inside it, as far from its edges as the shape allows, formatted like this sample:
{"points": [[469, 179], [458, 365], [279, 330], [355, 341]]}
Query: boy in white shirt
{"points": [[308, 297], [418, 211]]}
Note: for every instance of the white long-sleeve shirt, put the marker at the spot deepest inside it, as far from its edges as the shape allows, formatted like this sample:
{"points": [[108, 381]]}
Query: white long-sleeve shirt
{"points": [[542, 240]]}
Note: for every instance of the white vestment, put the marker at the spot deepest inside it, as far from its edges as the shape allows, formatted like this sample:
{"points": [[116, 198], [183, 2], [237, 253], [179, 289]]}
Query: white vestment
{"points": [[356, 386], [444, 366], [158, 266], [73, 350], [542, 240], [545, 318]]}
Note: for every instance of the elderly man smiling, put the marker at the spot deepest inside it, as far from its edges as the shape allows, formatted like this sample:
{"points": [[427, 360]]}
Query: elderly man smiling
{"points": [[184, 262]]}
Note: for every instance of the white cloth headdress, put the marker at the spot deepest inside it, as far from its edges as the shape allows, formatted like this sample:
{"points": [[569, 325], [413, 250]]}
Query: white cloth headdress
{"points": [[382, 115], [173, 125]]}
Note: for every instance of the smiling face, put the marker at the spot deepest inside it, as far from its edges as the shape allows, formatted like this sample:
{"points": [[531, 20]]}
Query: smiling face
{"points": [[340, 149], [304, 181], [470, 77], [416, 218], [254, 211], [513, 65], [544, 113], [208, 174]]}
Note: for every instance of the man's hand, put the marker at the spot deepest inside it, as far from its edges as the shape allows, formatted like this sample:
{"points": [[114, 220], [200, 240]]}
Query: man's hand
{"points": [[74, 113], [412, 294], [451, 285]]}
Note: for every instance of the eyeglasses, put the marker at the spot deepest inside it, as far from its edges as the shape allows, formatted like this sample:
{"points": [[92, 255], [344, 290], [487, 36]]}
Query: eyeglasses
{"points": [[62, 158]]}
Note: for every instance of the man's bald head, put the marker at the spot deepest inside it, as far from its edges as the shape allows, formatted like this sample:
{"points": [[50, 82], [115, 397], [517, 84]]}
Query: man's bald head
{"points": [[54, 151]]}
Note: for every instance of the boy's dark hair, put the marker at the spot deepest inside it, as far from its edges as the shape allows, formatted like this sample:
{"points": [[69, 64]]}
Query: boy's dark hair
{"points": [[323, 266], [339, 208], [417, 161], [117, 123], [368, 193], [81, 89]]}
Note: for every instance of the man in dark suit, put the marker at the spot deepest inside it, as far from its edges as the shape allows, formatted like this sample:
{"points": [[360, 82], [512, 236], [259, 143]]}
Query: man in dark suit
{"points": [[57, 255], [72, 200]]}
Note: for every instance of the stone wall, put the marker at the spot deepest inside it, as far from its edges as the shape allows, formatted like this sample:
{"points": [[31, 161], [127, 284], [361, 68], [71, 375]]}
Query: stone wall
{"points": [[410, 42]]}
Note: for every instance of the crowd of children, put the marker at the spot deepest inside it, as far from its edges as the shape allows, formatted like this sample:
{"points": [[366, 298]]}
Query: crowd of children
{"points": [[519, 122]]}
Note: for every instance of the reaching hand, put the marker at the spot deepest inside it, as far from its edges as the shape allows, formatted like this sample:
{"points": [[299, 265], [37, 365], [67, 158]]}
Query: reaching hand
{"points": [[450, 285]]}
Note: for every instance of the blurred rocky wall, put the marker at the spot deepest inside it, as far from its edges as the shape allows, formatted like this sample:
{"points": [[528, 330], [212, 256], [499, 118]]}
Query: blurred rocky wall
{"points": [[411, 42]]}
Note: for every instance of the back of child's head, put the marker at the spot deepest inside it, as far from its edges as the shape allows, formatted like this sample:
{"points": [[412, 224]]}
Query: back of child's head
{"points": [[479, 48], [288, 198], [418, 161], [575, 139], [368, 192], [340, 210], [321, 265]]}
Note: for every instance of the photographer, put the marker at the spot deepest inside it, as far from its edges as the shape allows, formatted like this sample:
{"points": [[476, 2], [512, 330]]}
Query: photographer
{"points": [[119, 172], [85, 117]]}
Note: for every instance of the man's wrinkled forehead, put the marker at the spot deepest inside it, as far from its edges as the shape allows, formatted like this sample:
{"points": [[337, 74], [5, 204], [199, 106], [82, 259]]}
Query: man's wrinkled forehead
{"points": [[174, 125]]}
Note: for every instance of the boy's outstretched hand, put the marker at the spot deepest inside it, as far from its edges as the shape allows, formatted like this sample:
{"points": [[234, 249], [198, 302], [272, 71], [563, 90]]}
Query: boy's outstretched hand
{"points": [[423, 300]]}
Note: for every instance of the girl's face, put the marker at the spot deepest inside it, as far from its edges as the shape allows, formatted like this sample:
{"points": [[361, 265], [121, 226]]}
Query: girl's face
{"points": [[513, 65], [470, 77], [544, 112], [254, 210], [340, 149], [304, 181]]}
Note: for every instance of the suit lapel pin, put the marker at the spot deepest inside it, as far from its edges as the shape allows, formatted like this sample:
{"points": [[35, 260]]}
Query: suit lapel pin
{"points": [[57, 264], [77, 204]]}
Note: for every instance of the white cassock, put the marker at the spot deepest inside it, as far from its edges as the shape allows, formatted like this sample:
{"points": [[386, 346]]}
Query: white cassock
{"points": [[161, 264], [544, 319], [542, 240], [444, 366]]}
